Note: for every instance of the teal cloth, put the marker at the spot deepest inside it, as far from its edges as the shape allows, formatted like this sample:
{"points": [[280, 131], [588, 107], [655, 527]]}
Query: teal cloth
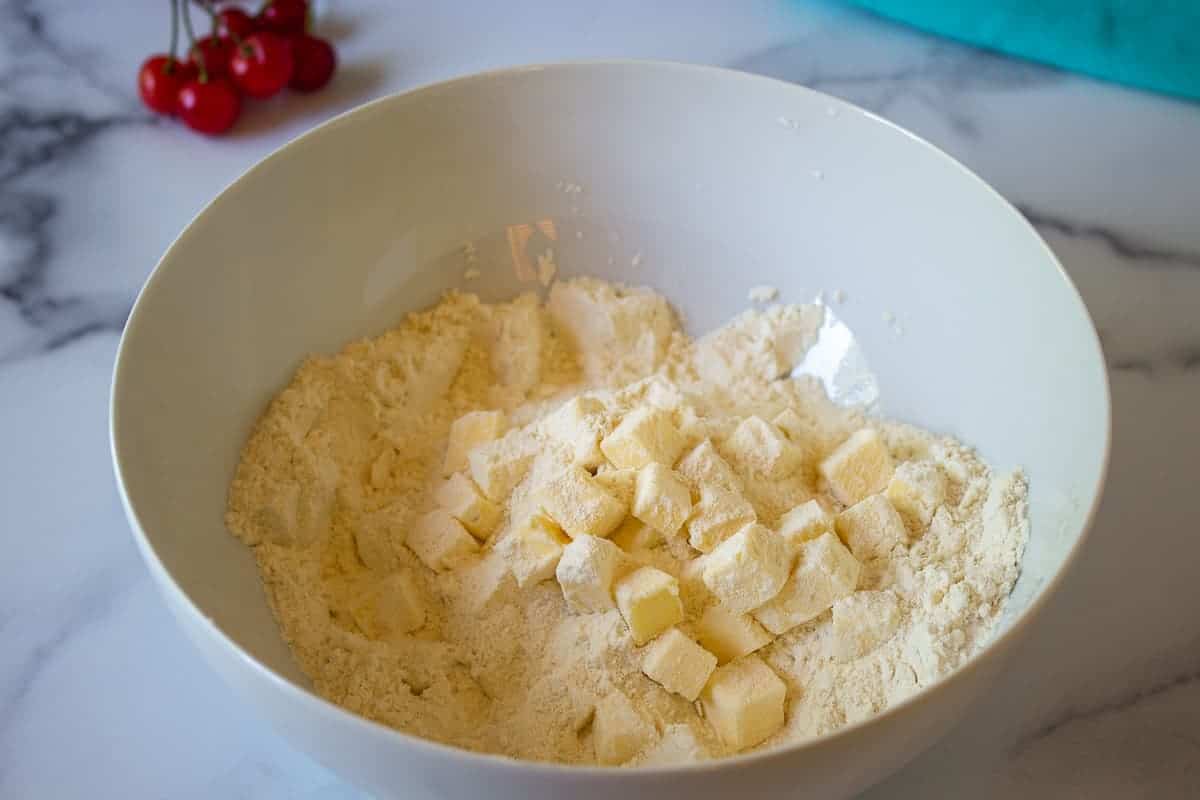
{"points": [[1151, 44]]}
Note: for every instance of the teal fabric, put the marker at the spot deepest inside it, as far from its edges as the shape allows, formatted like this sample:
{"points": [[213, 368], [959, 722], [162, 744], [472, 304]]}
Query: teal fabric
{"points": [[1151, 44]]}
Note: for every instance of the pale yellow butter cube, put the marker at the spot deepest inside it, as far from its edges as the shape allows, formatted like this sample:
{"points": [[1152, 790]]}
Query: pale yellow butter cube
{"points": [[484, 582], [691, 584], [532, 549], [916, 490], [469, 431], [580, 507], [394, 605], [498, 466], [748, 568], [860, 466], [619, 732], [730, 636], [678, 664], [633, 536], [649, 601], [620, 483], [662, 499], [440, 541], [704, 466], [678, 745], [763, 449], [804, 522], [825, 572], [717, 516], [585, 573], [863, 621], [645, 435], [578, 425], [871, 528], [793, 425], [465, 503], [744, 702]]}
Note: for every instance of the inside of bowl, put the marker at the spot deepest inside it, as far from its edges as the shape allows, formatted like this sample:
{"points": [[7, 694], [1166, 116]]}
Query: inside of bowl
{"points": [[699, 183]]}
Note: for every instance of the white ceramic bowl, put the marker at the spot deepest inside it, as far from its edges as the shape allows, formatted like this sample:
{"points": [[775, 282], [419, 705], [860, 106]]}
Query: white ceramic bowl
{"points": [[697, 181]]}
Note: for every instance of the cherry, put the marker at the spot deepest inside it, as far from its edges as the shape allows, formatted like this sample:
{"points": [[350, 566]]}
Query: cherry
{"points": [[159, 80], [233, 23], [284, 16], [315, 61], [262, 65], [210, 106], [210, 55]]}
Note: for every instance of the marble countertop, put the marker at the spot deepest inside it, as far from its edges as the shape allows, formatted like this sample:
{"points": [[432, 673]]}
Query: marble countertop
{"points": [[99, 689]]}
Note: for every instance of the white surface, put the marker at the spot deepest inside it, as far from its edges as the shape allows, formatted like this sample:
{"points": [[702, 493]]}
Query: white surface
{"points": [[98, 689]]}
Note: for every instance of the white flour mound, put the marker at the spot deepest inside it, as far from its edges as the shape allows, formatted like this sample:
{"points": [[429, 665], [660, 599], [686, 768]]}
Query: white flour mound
{"points": [[348, 456]]}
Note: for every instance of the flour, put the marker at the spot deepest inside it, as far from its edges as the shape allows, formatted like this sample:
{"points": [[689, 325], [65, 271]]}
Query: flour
{"points": [[349, 456]]}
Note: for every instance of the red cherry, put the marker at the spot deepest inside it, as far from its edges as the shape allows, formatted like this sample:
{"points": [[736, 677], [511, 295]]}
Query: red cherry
{"points": [[233, 23], [315, 61], [210, 55], [159, 80], [262, 65], [284, 16], [210, 106]]}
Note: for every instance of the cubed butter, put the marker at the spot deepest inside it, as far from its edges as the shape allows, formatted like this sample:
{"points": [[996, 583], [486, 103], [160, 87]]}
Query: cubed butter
{"points": [[458, 495], [692, 588], [703, 466], [440, 541], [825, 572], [678, 664], [678, 745], [580, 507], [498, 466], [718, 515], [532, 549], [860, 466], [620, 483], [804, 522], [578, 425], [730, 636], [661, 500], [619, 732], [649, 601], [744, 702], [484, 582], [760, 447], [645, 435], [916, 490], [748, 568], [467, 432], [871, 528], [862, 621], [793, 425], [585, 573], [633, 536]]}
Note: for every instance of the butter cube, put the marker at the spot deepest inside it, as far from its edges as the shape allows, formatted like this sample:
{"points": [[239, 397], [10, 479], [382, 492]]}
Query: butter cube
{"points": [[762, 448], [719, 515], [533, 549], [678, 745], [730, 636], [498, 466], [440, 541], [483, 582], [916, 490], [578, 425], [748, 569], [678, 664], [805, 521], [459, 496], [871, 528], [585, 573], [649, 601], [394, 605], [619, 732], [860, 466], [825, 572], [633, 536], [863, 621], [620, 483], [691, 584], [579, 506], [744, 702], [645, 435], [469, 431], [703, 466], [662, 499], [793, 425]]}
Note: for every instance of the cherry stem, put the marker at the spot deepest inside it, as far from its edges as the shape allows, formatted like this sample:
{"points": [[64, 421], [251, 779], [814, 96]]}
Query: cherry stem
{"points": [[191, 35], [174, 34], [238, 41]]}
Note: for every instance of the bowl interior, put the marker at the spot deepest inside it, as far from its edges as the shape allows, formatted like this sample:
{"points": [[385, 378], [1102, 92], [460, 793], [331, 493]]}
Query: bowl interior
{"points": [[698, 182]]}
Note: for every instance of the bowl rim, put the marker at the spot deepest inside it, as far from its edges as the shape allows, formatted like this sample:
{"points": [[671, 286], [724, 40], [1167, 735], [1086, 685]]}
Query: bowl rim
{"points": [[319, 706]]}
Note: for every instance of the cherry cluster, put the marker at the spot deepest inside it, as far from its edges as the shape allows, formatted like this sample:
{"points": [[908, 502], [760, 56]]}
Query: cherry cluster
{"points": [[255, 56]]}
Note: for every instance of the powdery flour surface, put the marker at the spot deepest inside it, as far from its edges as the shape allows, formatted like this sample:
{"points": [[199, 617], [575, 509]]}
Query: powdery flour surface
{"points": [[337, 482]]}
